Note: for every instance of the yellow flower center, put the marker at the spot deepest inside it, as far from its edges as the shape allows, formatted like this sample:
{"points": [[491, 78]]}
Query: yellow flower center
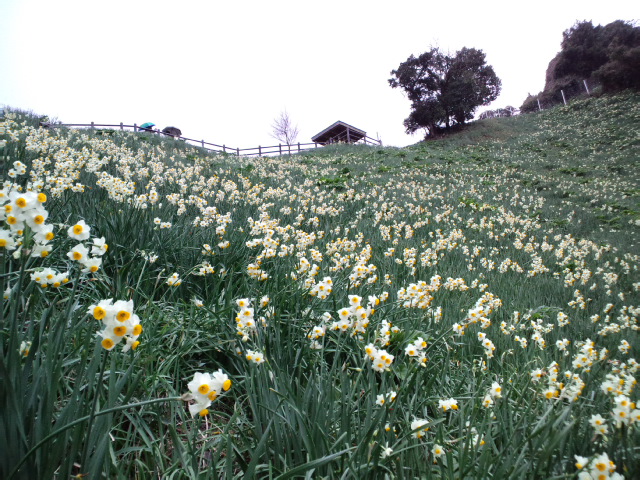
{"points": [[135, 345], [204, 413], [107, 344], [49, 236], [44, 253], [11, 220], [21, 202], [3, 242], [213, 395], [77, 256], [137, 330], [226, 385], [99, 313], [203, 389], [42, 197], [8, 208], [77, 229], [93, 268], [120, 330], [38, 219]]}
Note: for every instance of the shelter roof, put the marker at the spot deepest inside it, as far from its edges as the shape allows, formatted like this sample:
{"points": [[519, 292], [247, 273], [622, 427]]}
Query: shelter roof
{"points": [[339, 132]]}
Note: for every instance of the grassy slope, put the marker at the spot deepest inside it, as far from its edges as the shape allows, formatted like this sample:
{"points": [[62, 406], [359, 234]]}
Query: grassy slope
{"points": [[582, 158], [574, 170]]}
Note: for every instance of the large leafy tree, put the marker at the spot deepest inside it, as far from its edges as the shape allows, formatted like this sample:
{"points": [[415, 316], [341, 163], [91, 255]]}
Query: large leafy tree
{"points": [[445, 90], [609, 55]]}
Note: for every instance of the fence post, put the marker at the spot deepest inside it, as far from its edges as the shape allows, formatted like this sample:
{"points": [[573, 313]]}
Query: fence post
{"points": [[92, 124], [259, 151], [224, 149], [135, 127], [298, 147], [237, 151], [539, 107], [280, 148], [586, 87], [563, 99]]}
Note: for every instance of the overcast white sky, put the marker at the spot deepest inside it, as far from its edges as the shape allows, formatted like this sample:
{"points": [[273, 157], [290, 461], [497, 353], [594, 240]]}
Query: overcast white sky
{"points": [[223, 70]]}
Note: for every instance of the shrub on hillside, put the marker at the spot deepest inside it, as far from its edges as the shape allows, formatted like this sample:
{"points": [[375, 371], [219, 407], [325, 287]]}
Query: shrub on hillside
{"points": [[530, 104]]}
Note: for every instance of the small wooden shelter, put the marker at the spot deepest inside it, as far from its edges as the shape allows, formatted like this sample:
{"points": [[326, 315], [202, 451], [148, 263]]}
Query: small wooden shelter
{"points": [[339, 132]]}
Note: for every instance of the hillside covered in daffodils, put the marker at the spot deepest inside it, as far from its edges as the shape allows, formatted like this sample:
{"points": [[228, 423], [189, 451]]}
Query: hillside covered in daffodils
{"points": [[461, 308]]}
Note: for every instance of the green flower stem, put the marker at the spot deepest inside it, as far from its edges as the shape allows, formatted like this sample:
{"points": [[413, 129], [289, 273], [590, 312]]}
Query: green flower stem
{"points": [[83, 419], [92, 415]]}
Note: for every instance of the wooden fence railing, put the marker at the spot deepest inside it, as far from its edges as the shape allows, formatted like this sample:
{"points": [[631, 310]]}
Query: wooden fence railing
{"points": [[280, 149]]}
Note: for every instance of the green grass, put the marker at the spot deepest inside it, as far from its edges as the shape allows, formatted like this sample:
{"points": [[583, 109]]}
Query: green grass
{"points": [[495, 232]]}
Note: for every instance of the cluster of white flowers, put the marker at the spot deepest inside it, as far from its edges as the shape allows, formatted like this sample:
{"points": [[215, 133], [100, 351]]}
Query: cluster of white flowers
{"points": [[489, 347], [46, 277], [599, 467], [120, 323], [322, 289], [21, 210], [625, 411], [480, 312], [416, 350], [449, 404], [205, 388], [174, 280], [255, 357], [419, 427], [419, 295], [383, 398], [495, 391], [245, 323], [381, 360], [91, 260], [255, 272], [355, 317], [157, 221]]}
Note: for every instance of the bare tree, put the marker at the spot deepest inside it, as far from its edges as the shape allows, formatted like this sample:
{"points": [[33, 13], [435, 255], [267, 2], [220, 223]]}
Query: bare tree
{"points": [[283, 129]]}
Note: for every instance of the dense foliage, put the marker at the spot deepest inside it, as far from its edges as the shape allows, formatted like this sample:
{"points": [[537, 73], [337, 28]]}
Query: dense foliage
{"points": [[445, 90], [607, 56], [461, 308]]}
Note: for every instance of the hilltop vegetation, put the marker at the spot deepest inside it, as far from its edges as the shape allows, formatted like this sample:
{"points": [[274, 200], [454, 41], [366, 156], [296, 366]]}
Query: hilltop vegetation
{"points": [[607, 57], [461, 308]]}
